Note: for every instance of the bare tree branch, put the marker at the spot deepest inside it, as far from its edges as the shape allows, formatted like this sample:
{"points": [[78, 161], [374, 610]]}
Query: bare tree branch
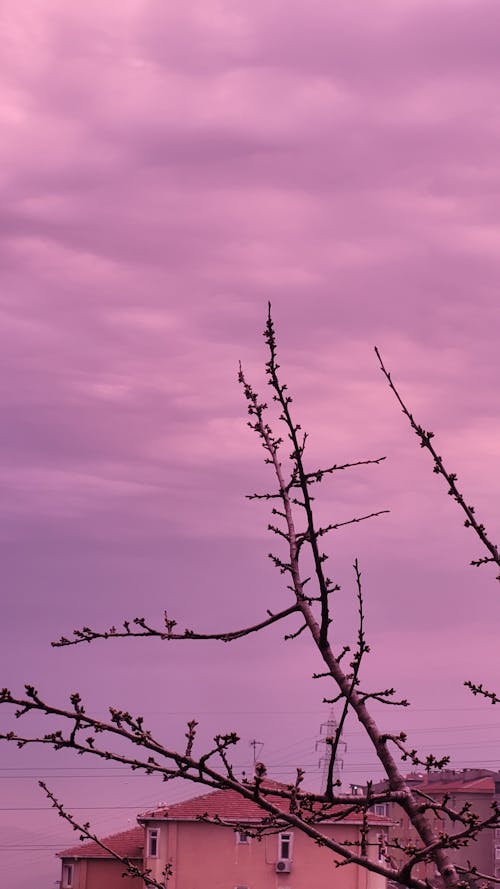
{"points": [[85, 832], [86, 634], [450, 478], [480, 690], [291, 806]]}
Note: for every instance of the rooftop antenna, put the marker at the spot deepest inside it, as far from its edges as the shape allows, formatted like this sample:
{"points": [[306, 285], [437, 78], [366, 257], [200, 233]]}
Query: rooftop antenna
{"points": [[328, 731]]}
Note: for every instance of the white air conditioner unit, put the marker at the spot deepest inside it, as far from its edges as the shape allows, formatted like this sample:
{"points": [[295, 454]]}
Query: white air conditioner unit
{"points": [[283, 866]]}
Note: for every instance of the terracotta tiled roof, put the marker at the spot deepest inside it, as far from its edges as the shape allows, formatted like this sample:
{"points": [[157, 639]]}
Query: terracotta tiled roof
{"points": [[478, 785], [226, 804], [128, 844], [230, 806], [437, 784]]}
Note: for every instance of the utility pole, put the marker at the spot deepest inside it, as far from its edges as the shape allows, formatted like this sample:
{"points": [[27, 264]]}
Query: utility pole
{"points": [[256, 744]]}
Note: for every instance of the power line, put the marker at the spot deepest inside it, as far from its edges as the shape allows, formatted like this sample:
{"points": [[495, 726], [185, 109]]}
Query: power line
{"points": [[47, 808], [315, 712]]}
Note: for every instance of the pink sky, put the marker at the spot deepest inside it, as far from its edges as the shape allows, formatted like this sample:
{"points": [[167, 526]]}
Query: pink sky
{"points": [[167, 168]]}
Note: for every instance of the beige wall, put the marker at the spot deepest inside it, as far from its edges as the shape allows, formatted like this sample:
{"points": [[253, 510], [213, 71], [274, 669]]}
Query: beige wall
{"points": [[480, 852], [205, 856]]}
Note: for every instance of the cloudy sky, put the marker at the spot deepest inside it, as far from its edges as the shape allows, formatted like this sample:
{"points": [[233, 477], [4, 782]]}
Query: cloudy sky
{"points": [[166, 169]]}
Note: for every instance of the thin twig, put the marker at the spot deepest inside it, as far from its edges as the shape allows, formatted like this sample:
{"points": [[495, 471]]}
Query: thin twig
{"points": [[425, 438]]}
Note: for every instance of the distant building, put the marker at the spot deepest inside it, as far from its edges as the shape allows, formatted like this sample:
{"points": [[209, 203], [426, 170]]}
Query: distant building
{"points": [[88, 866], [209, 856], [479, 787]]}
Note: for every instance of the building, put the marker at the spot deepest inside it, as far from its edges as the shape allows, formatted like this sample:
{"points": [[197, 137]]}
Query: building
{"points": [[88, 865], [478, 787], [204, 855]]}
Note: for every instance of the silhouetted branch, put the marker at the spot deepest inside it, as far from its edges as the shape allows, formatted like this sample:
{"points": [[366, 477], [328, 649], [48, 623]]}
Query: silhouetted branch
{"points": [[86, 634], [302, 810], [384, 697], [473, 872], [320, 532], [317, 475], [480, 690], [131, 869], [362, 649], [425, 438]]}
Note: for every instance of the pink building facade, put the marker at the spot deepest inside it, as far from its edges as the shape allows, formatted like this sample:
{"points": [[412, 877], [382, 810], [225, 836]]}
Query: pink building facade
{"points": [[88, 866], [479, 788], [204, 855]]}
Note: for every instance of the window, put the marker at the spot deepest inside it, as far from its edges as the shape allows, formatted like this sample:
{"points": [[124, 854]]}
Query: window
{"points": [[497, 833], [153, 837], [67, 876], [285, 846], [497, 853], [380, 809], [242, 838]]}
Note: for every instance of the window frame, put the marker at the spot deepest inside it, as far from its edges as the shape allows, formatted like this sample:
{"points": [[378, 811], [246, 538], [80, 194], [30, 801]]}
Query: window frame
{"points": [[153, 842], [239, 838], [285, 837], [382, 810], [67, 876]]}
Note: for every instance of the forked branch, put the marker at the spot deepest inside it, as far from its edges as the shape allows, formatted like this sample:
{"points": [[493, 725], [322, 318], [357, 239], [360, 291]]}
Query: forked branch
{"points": [[314, 602]]}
